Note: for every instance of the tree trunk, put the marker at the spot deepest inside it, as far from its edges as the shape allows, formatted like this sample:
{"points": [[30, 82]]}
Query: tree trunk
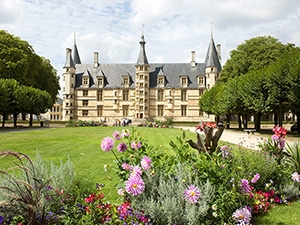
{"points": [[239, 121], [245, 121], [227, 121], [298, 122], [15, 114], [257, 121], [30, 119], [280, 116], [275, 118], [3, 120]]}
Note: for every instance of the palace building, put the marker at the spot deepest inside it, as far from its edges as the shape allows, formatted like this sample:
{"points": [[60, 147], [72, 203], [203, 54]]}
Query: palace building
{"points": [[140, 90]]}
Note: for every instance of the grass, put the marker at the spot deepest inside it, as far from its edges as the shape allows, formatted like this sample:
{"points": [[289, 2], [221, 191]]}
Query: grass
{"points": [[82, 146]]}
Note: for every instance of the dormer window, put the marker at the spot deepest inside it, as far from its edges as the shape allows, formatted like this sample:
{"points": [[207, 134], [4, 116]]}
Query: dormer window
{"points": [[200, 80], [183, 81], [125, 81], [85, 81], [100, 82], [160, 81]]}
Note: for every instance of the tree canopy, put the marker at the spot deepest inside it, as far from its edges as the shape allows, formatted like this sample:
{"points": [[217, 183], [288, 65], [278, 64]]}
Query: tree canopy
{"points": [[19, 61], [263, 76]]}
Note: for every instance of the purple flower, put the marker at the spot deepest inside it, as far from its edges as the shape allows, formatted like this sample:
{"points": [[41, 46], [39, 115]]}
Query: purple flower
{"points": [[134, 185], [1, 219], [281, 143], [192, 194], [107, 144], [275, 137], [136, 171], [122, 147], [245, 187], [296, 177], [136, 144], [242, 215], [146, 163], [126, 166], [117, 135], [255, 178]]}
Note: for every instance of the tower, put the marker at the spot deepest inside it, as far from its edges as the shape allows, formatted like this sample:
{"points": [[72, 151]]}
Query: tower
{"points": [[142, 83], [69, 87]]}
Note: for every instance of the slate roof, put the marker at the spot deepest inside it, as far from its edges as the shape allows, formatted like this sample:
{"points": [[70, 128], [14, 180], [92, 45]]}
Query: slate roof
{"points": [[212, 58], [69, 60], [113, 74], [76, 57]]}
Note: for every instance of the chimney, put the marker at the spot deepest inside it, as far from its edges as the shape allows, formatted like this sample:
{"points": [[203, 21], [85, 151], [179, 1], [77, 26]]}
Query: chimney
{"points": [[219, 52], [96, 62], [193, 62]]}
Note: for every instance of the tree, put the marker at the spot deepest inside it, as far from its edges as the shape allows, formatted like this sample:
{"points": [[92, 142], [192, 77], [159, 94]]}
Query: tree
{"points": [[19, 61], [254, 54]]}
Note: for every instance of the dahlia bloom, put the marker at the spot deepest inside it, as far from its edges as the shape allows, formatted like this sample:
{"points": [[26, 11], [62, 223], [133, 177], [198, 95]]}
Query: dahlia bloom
{"points": [[146, 163], [134, 185], [136, 171], [122, 147], [107, 144], [117, 135], [242, 215], [245, 187], [296, 177], [192, 194], [136, 144], [126, 166], [255, 178]]}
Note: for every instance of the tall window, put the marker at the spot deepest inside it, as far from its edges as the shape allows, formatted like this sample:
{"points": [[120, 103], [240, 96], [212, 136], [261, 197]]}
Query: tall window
{"points": [[100, 82], [85, 81], [125, 95], [85, 102], [160, 95], [100, 95], [125, 110], [184, 81], [201, 92], [100, 110], [183, 110], [85, 112], [85, 93], [160, 110], [183, 95], [200, 81]]}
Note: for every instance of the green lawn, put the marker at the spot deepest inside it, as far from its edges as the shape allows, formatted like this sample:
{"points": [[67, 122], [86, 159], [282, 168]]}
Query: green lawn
{"points": [[82, 146]]}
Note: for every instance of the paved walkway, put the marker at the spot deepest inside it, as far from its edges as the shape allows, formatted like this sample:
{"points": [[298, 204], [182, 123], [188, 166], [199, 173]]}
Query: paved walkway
{"points": [[244, 139]]}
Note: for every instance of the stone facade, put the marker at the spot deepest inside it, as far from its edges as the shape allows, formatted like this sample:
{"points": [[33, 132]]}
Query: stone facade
{"points": [[137, 91]]}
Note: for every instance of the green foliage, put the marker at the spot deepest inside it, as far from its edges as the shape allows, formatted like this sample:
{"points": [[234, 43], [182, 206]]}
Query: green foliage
{"points": [[164, 201], [292, 156]]}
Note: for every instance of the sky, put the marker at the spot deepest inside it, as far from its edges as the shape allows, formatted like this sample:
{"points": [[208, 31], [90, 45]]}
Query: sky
{"points": [[172, 28]]}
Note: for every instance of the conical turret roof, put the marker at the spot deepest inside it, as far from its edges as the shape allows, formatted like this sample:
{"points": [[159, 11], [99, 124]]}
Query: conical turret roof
{"points": [[142, 60], [212, 58]]}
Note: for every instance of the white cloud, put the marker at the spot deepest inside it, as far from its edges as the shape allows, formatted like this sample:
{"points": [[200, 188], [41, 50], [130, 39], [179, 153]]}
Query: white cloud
{"points": [[173, 28]]}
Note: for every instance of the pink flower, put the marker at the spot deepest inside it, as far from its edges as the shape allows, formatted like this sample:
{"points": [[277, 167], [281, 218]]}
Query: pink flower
{"points": [[242, 216], [136, 144], [255, 178], [122, 147], [134, 185], [136, 171], [146, 163], [126, 166], [296, 177], [245, 187], [192, 194], [117, 135], [107, 144]]}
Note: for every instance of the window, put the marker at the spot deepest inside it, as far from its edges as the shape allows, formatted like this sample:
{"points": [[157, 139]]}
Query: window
{"points": [[100, 95], [125, 95], [201, 92], [85, 81], [85, 112], [141, 92], [200, 113], [125, 81], [141, 108], [85, 93], [141, 85], [100, 110], [184, 81], [85, 102], [160, 110], [125, 110], [183, 110], [160, 95], [200, 81], [183, 95], [100, 82], [141, 100], [141, 77]]}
